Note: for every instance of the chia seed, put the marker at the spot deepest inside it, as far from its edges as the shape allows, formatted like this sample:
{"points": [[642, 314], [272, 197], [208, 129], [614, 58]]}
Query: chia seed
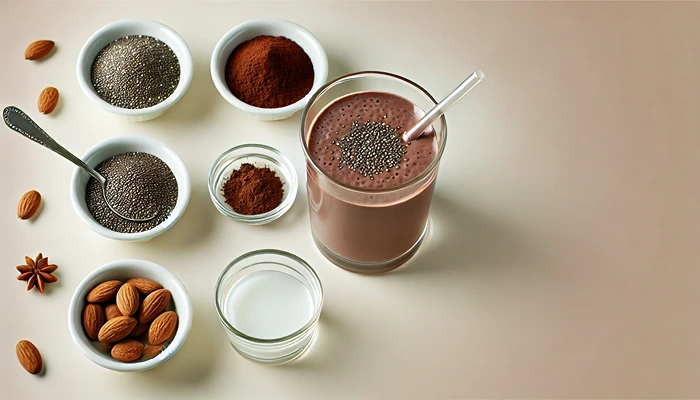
{"points": [[370, 148], [139, 185], [135, 72]]}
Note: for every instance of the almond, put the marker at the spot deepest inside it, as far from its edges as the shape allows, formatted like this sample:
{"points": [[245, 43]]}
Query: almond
{"points": [[154, 304], [38, 49], [140, 328], [93, 319], [127, 350], [116, 329], [150, 351], [112, 311], [104, 291], [162, 328], [127, 300], [29, 356], [28, 204], [48, 99], [145, 286]]}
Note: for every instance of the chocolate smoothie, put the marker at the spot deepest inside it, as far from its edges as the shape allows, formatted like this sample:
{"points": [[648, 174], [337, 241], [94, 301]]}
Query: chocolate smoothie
{"points": [[355, 226]]}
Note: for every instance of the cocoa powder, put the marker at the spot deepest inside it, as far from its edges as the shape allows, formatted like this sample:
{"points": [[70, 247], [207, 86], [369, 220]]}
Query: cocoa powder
{"points": [[269, 72], [251, 190]]}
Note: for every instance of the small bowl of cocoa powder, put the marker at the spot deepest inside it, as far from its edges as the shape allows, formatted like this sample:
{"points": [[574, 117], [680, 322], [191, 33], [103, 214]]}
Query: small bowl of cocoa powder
{"points": [[252, 183], [269, 68]]}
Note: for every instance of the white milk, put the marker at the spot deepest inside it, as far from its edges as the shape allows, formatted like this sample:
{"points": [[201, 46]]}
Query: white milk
{"points": [[268, 305]]}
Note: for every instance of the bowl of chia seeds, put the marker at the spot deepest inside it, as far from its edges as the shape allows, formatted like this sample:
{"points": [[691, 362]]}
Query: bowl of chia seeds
{"points": [[145, 178], [135, 68]]}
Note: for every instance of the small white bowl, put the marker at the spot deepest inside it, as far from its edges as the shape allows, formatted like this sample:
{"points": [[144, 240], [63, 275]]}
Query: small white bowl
{"points": [[123, 270], [120, 145], [127, 27], [272, 27]]}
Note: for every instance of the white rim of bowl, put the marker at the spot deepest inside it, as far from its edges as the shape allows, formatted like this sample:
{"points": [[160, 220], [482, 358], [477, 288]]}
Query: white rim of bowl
{"points": [[175, 215], [320, 70], [186, 70], [271, 215], [183, 314]]}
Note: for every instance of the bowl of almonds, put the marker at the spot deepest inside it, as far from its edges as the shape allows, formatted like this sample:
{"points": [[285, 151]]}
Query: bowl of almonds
{"points": [[130, 315]]}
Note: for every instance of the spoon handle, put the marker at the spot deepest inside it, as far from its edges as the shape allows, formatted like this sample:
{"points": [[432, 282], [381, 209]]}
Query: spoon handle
{"points": [[20, 122], [472, 80]]}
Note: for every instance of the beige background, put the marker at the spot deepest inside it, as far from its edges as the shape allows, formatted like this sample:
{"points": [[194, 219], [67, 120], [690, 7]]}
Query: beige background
{"points": [[563, 257]]}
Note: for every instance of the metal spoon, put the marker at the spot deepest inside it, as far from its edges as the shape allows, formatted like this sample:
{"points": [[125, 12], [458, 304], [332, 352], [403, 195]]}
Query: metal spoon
{"points": [[19, 122]]}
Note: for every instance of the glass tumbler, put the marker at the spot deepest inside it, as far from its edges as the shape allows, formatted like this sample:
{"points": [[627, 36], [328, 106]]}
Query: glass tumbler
{"points": [[269, 302], [369, 231]]}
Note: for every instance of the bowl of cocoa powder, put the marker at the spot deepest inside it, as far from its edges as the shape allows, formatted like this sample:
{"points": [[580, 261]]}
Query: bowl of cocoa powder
{"points": [[269, 68], [252, 183]]}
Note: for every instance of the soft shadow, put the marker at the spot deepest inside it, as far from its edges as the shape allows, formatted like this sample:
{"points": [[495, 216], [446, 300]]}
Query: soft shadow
{"points": [[465, 241], [335, 341], [289, 219], [197, 103], [195, 361], [337, 65], [196, 223]]}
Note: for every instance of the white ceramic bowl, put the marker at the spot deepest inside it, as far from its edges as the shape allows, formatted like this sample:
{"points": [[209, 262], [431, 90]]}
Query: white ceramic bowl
{"points": [[119, 29], [119, 145], [123, 270], [249, 30]]}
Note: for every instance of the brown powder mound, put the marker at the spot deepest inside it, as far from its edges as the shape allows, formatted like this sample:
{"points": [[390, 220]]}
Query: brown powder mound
{"points": [[251, 190], [269, 72]]}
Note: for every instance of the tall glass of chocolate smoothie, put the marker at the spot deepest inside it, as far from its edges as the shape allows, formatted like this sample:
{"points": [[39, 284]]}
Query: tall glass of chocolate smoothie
{"points": [[369, 191]]}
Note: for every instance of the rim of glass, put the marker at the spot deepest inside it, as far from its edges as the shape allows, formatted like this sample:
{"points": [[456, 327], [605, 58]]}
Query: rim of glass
{"points": [[281, 159], [323, 89], [304, 264]]}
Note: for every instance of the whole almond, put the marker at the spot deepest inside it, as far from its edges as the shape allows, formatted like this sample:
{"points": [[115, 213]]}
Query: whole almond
{"points": [[38, 49], [154, 304], [127, 300], [93, 319], [112, 311], [104, 291], [116, 329], [29, 356], [48, 99], [127, 350], [28, 204], [140, 328], [150, 351], [162, 328], [145, 286]]}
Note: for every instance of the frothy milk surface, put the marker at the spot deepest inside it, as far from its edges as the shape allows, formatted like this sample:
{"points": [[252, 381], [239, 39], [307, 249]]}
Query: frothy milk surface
{"points": [[268, 305]]}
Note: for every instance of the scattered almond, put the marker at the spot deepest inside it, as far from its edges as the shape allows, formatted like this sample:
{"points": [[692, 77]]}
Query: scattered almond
{"points": [[112, 311], [140, 328], [38, 49], [162, 328], [116, 329], [104, 291], [127, 350], [127, 300], [29, 356], [28, 204], [154, 304], [48, 99], [150, 351], [93, 319], [143, 285]]}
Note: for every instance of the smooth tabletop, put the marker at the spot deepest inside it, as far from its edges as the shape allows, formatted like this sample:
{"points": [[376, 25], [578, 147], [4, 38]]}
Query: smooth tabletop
{"points": [[563, 259]]}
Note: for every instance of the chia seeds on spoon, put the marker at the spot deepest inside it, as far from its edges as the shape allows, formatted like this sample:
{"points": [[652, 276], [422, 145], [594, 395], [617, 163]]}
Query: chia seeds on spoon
{"points": [[139, 185], [370, 148], [135, 72]]}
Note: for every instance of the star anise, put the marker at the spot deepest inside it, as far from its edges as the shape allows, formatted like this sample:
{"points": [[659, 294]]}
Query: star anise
{"points": [[37, 273]]}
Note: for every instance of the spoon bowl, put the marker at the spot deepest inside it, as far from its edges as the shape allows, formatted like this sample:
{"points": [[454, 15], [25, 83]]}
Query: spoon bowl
{"points": [[20, 122]]}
